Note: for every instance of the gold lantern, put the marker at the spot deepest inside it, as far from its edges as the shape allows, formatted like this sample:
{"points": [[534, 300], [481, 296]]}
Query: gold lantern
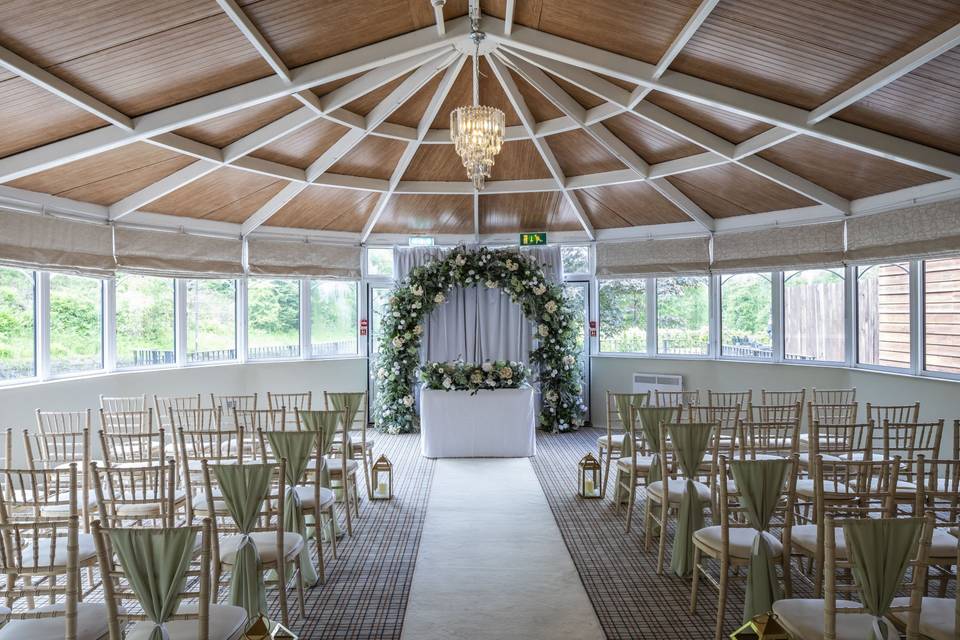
{"points": [[761, 627], [590, 477], [263, 629], [382, 475]]}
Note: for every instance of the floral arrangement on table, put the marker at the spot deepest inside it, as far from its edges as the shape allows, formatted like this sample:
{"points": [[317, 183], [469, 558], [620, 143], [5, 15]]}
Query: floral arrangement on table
{"points": [[468, 376], [517, 275]]}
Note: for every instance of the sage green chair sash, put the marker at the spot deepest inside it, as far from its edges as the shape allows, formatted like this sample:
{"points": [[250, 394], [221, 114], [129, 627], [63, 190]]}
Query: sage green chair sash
{"points": [[761, 485], [349, 401], [244, 488], [326, 424], [155, 562], [690, 442], [650, 419], [880, 550], [296, 447]]}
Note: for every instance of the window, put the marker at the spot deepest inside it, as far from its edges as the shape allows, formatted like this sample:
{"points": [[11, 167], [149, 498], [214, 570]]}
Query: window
{"points": [[273, 319], [145, 321], [211, 330], [333, 318], [623, 316], [379, 296], [813, 315], [883, 315], [17, 324], [575, 259], [380, 261], [683, 315], [746, 316], [941, 315], [76, 323]]}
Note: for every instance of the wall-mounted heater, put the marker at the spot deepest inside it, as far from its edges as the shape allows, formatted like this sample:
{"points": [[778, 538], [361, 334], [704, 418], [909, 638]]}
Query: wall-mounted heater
{"points": [[650, 382]]}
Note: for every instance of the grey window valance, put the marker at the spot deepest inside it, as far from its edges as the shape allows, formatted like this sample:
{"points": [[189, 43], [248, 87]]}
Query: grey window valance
{"points": [[31, 241], [921, 231], [178, 254], [285, 258], [802, 246], [640, 258]]}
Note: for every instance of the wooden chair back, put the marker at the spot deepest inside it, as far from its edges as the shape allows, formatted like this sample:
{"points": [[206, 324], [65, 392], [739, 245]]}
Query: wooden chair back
{"points": [[775, 413], [133, 448], [163, 404], [761, 438], [127, 421], [676, 398], [783, 397], [292, 402], [194, 419], [834, 396], [136, 494], [227, 403], [39, 494], [123, 403]]}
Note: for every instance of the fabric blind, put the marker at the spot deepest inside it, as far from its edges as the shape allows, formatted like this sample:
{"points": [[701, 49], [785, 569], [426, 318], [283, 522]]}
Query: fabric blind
{"points": [[177, 254], [30, 241], [279, 258], [674, 256], [779, 248], [922, 231]]}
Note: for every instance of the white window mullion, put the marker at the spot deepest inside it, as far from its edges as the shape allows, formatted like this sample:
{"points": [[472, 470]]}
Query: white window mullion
{"points": [[850, 315], [180, 327], [713, 337], [43, 325], [776, 296], [110, 324], [242, 320], [651, 290], [594, 314], [916, 317], [363, 313], [306, 347]]}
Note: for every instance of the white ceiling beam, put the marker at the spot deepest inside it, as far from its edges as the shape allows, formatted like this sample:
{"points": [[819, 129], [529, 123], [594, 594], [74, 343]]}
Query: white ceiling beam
{"points": [[158, 189], [438, 18], [423, 127], [682, 202], [373, 79], [269, 133], [411, 85], [229, 100], [508, 16], [686, 33], [46, 80], [590, 82], [253, 35], [733, 100], [273, 205], [526, 118]]}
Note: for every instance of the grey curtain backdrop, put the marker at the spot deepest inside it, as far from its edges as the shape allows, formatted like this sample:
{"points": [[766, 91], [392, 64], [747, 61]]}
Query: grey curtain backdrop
{"points": [[475, 323]]}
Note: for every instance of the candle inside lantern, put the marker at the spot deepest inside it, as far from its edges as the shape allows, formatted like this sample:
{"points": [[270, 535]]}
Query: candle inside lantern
{"points": [[382, 488], [588, 487]]}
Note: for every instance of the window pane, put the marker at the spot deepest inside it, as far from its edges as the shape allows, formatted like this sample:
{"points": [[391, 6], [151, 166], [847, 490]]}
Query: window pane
{"points": [[746, 319], [17, 326], [380, 261], [211, 320], [883, 315], [145, 321], [273, 312], [575, 259], [76, 323], [813, 315], [623, 316], [333, 318], [379, 296], [683, 321], [941, 315]]}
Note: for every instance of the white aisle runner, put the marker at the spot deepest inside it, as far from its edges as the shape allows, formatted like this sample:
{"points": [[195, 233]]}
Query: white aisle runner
{"points": [[492, 563]]}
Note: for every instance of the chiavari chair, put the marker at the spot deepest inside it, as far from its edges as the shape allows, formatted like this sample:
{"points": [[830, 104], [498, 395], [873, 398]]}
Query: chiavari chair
{"points": [[328, 468], [676, 398], [127, 421], [138, 495], [292, 402], [201, 419], [224, 445], [256, 519], [742, 399], [834, 396], [250, 420], [354, 406], [610, 445], [783, 397], [938, 497], [792, 412], [823, 414], [123, 403], [33, 555], [842, 613], [139, 448], [766, 440], [939, 616], [639, 464], [733, 541], [58, 450], [185, 566], [841, 488], [163, 404], [727, 417], [227, 403]]}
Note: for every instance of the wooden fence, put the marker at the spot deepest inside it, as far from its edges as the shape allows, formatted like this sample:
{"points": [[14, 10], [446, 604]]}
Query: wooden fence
{"points": [[813, 321]]}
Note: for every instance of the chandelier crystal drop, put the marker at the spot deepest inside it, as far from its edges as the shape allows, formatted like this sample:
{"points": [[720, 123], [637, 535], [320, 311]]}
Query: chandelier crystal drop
{"points": [[477, 131]]}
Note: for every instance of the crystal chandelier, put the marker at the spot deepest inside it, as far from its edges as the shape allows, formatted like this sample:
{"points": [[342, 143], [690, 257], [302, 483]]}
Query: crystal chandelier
{"points": [[477, 131]]}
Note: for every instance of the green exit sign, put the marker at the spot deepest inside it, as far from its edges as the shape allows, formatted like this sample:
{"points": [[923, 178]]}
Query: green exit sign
{"points": [[532, 239]]}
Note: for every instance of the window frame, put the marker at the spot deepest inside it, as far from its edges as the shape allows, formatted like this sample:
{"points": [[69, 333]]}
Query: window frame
{"points": [[179, 328], [48, 362], [595, 312], [919, 337], [182, 320], [855, 310], [776, 355], [849, 317], [711, 320]]}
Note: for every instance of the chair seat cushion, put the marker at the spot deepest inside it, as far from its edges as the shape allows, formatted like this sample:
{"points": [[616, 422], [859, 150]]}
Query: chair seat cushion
{"points": [[862, 455], [200, 502], [806, 487], [617, 441], [145, 509], [266, 542], [943, 545], [307, 497], [803, 618], [937, 617], [62, 510], [92, 624], [86, 550], [643, 463], [804, 458], [334, 466], [676, 487], [226, 623], [741, 540]]}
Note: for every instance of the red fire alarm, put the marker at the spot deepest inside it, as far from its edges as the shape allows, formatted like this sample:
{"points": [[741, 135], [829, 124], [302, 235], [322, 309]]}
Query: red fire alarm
{"points": [[363, 323], [593, 324]]}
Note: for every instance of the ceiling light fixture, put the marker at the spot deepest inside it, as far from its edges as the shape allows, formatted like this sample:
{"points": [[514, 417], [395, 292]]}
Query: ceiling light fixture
{"points": [[477, 131]]}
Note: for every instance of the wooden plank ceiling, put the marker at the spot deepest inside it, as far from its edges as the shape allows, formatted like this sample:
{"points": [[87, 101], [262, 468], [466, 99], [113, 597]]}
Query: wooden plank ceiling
{"points": [[141, 56]]}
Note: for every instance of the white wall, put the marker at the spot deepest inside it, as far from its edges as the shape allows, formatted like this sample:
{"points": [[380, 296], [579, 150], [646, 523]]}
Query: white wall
{"points": [[17, 404], [938, 398]]}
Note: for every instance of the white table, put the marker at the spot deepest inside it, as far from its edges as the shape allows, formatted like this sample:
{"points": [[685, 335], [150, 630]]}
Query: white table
{"points": [[491, 424]]}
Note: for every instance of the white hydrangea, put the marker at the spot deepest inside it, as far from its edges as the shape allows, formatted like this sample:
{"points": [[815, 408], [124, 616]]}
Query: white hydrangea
{"points": [[408, 401], [551, 306], [487, 366], [398, 342], [439, 298]]}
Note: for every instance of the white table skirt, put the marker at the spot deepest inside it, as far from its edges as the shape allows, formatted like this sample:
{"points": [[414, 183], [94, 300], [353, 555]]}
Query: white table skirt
{"points": [[491, 424]]}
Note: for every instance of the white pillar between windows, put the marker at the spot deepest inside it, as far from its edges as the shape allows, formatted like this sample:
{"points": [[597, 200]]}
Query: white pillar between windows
{"points": [[43, 325], [776, 317], [306, 346], [242, 320], [714, 340], [916, 317], [850, 316], [110, 324], [650, 287], [180, 310]]}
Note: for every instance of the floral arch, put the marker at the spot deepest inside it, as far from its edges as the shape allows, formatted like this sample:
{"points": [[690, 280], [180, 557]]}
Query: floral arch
{"points": [[520, 276]]}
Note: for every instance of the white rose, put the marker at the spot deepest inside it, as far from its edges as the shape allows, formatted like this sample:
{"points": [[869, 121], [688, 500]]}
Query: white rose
{"points": [[568, 360], [543, 330], [487, 367], [416, 290], [417, 330], [551, 306], [408, 401], [491, 284], [398, 342], [476, 377], [506, 373], [540, 290], [447, 383], [491, 382], [461, 261], [512, 266], [416, 305], [439, 298]]}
